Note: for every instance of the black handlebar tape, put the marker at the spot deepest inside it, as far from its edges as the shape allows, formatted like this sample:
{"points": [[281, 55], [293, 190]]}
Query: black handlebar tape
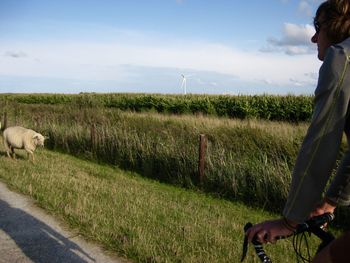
{"points": [[314, 224], [245, 242], [257, 246], [316, 221]]}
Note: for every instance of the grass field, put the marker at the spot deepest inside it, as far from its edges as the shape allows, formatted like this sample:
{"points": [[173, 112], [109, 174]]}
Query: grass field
{"points": [[137, 218], [247, 160]]}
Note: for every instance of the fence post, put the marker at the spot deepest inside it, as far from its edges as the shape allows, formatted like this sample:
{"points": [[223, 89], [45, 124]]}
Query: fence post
{"points": [[201, 161]]}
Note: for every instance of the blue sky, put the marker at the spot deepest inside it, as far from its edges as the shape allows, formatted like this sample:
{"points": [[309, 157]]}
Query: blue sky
{"points": [[220, 46]]}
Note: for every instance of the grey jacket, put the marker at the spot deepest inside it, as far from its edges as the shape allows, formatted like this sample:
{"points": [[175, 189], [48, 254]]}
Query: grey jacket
{"points": [[318, 152]]}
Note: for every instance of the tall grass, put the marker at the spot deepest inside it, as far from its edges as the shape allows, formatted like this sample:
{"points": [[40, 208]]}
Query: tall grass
{"points": [[246, 160]]}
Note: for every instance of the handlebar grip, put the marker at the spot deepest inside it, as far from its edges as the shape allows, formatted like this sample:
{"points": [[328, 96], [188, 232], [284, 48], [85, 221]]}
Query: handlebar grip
{"points": [[316, 221], [321, 219]]}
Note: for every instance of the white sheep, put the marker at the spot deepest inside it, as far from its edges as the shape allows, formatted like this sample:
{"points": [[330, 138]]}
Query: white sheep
{"points": [[17, 137]]}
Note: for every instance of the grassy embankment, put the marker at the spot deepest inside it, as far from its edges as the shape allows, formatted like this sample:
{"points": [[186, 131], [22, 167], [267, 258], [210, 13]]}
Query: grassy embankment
{"points": [[137, 218], [246, 160]]}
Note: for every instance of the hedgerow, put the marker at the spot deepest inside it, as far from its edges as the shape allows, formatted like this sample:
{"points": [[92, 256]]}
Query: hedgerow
{"points": [[269, 107]]}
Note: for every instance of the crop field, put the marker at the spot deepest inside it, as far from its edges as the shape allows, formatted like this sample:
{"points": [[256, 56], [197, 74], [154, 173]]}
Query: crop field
{"points": [[268, 107]]}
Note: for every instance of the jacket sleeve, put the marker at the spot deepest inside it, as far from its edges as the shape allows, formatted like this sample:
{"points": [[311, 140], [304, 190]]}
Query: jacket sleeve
{"points": [[320, 146], [338, 193]]}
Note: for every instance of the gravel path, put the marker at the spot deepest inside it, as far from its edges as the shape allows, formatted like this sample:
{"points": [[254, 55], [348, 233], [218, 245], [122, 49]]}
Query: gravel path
{"points": [[29, 235]]}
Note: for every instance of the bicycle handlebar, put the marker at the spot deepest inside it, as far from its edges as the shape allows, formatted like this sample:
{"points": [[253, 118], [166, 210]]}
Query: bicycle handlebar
{"points": [[312, 225]]}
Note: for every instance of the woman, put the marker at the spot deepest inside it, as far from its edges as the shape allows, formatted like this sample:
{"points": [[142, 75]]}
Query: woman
{"points": [[317, 155]]}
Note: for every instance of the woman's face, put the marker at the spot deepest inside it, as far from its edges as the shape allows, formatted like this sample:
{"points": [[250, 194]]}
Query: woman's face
{"points": [[320, 38]]}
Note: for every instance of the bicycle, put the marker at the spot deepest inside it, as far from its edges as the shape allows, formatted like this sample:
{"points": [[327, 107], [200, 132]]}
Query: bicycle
{"points": [[314, 225]]}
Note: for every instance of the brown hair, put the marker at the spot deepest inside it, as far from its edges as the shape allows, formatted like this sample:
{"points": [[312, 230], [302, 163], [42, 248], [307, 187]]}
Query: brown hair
{"points": [[335, 17]]}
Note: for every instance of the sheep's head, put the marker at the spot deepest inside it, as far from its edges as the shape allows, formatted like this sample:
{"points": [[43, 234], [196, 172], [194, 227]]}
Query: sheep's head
{"points": [[39, 139]]}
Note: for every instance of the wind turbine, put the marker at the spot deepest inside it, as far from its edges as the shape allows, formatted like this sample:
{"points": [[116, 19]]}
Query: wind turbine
{"points": [[184, 84]]}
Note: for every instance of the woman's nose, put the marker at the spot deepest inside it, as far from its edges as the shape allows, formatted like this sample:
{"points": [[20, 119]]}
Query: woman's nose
{"points": [[314, 38]]}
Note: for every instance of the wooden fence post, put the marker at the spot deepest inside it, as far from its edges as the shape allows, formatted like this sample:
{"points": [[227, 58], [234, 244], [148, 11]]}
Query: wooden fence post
{"points": [[201, 161]]}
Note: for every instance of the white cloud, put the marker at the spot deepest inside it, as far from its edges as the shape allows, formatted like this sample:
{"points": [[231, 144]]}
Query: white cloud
{"points": [[15, 54], [296, 50], [305, 8], [295, 35], [296, 40], [308, 7]]}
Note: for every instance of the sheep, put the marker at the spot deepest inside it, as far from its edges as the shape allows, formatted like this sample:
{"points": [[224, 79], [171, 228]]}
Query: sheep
{"points": [[17, 137]]}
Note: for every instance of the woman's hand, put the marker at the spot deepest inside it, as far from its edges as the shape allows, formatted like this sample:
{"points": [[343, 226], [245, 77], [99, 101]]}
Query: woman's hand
{"points": [[266, 232], [324, 207]]}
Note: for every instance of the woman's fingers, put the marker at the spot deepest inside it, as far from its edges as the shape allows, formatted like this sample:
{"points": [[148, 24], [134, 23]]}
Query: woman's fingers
{"points": [[268, 231], [252, 232], [258, 233], [262, 236]]}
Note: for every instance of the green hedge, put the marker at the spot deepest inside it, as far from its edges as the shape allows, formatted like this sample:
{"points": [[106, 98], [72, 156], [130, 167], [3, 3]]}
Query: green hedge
{"points": [[280, 108]]}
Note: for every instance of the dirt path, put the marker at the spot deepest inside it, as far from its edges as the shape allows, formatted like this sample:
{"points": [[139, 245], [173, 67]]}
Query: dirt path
{"points": [[29, 235]]}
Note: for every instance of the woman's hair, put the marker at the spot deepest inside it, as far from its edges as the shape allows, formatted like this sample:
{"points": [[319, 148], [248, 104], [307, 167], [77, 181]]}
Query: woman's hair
{"points": [[334, 16]]}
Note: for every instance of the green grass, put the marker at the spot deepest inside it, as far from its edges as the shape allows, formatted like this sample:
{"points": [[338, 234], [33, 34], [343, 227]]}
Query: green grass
{"points": [[139, 219], [250, 160]]}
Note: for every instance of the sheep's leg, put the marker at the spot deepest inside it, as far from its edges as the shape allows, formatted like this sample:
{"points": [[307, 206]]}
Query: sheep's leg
{"points": [[30, 153], [13, 152], [8, 152], [8, 149]]}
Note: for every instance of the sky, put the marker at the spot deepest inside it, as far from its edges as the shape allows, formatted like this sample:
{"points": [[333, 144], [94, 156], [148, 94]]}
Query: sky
{"points": [[249, 47]]}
